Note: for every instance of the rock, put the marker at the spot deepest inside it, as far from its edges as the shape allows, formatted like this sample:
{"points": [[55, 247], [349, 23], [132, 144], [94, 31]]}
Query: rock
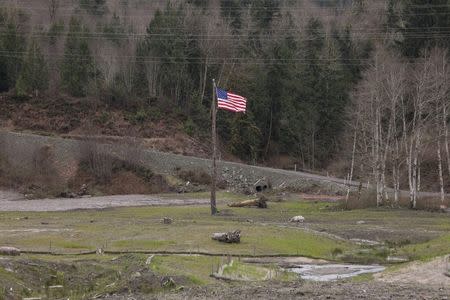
{"points": [[297, 219], [11, 251], [167, 220]]}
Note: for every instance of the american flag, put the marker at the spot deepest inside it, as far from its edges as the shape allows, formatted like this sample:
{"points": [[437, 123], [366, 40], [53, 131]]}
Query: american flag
{"points": [[231, 102]]}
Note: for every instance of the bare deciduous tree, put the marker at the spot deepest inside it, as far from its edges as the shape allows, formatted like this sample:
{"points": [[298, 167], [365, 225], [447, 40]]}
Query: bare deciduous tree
{"points": [[53, 6]]}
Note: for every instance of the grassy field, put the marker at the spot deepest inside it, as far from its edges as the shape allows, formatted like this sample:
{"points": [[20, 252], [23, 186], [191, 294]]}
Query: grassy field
{"points": [[328, 233], [264, 231]]}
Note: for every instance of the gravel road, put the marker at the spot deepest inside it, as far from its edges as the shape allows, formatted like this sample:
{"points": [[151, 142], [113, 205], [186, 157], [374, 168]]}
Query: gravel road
{"points": [[11, 201]]}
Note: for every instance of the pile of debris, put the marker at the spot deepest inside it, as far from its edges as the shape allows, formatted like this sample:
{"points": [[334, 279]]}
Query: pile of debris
{"points": [[83, 192]]}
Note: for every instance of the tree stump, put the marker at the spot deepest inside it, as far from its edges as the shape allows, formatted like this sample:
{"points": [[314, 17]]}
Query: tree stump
{"points": [[167, 220], [227, 237]]}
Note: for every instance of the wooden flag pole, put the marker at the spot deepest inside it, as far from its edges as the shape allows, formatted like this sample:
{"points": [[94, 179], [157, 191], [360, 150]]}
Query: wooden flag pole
{"points": [[214, 146]]}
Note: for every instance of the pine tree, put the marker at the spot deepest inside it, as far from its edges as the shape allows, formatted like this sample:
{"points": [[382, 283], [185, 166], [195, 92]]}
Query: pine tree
{"points": [[34, 75], [77, 69], [174, 59], [426, 23], [12, 45]]}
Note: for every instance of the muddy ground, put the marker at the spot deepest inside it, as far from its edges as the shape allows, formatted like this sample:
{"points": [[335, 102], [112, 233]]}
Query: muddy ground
{"points": [[306, 290]]}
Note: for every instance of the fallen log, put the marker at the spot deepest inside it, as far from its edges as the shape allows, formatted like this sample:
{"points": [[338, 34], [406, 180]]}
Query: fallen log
{"points": [[11, 251], [227, 237], [260, 203]]}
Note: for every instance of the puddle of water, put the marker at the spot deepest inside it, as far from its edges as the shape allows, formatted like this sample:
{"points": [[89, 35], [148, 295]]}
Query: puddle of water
{"points": [[333, 272]]}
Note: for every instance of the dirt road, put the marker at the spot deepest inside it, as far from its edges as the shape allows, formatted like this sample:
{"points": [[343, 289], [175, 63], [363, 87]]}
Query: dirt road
{"points": [[11, 201]]}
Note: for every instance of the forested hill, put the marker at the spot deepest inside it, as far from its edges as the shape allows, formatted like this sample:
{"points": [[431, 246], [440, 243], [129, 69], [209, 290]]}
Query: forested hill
{"points": [[303, 65]]}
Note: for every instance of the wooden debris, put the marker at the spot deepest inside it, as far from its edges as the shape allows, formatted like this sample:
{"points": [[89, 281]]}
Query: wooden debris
{"points": [[168, 282], [227, 237], [167, 220], [260, 203], [149, 259], [56, 287], [11, 251]]}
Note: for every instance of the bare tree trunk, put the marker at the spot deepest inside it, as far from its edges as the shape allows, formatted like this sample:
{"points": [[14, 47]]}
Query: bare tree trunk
{"points": [[444, 124], [270, 134], [352, 166], [441, 179], [204, 81], [396, 174], [378, 175]]}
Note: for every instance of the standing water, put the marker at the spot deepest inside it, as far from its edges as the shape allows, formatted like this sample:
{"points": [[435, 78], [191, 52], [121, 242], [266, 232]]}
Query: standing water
{"points": [[333, 271]]}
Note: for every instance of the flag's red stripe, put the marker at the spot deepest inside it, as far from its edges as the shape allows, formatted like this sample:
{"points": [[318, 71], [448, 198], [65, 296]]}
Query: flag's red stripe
{"points": [[226, 105], [232, 104], [235, 96], [240, 102], [236, 99], [228, 108]]}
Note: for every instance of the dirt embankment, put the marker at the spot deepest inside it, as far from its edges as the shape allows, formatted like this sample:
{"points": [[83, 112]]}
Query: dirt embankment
{"points": [[430, 273], [20, 150]]}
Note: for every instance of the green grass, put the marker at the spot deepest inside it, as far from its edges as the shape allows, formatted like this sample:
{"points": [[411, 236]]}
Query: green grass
{"points": [[196, 268], [140, 228], [362, 278], [428, 250], [267, 233], [141, 244], [238, 270]]}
